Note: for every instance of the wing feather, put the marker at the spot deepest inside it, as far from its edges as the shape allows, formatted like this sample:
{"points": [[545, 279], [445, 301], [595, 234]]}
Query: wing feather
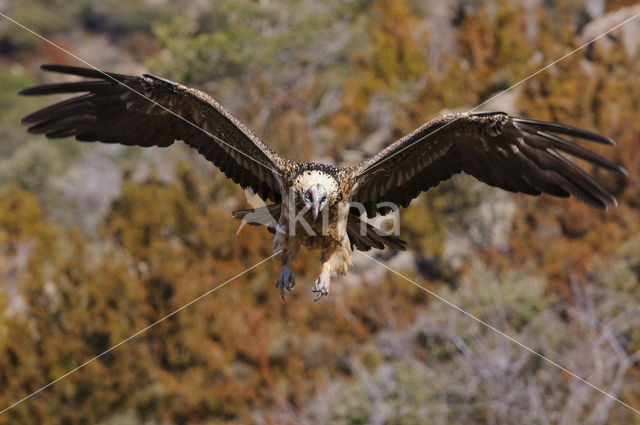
{"points": [[515, 154], [117, 108]]}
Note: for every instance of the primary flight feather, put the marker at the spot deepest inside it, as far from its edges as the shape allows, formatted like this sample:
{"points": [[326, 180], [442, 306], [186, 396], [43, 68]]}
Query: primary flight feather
{"points": [[317, 205]]}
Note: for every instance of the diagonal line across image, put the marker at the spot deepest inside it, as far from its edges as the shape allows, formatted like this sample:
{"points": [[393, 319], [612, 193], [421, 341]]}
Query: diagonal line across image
{"points": [[109, 77], [499, 332], [141, 331], [497, 95], [278, 252]]}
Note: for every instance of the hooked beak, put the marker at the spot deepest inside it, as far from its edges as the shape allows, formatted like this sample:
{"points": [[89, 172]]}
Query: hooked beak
{"points": [[315, 210], [315, 198]]}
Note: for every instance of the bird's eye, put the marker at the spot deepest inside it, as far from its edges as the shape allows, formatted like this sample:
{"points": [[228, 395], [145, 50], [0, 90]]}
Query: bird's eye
{"points": [[307, 196]]}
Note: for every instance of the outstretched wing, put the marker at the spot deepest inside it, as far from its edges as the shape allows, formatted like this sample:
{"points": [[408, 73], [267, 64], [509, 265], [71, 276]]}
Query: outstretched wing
{"points": [[151, 111], [515, 154]]}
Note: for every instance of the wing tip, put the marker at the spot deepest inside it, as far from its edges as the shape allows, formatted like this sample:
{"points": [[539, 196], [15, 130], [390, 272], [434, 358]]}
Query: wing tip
{"points": [[620, 170], [566, 129], [88, 72], [28, 91], [602, 201], [64, 69], [53, 67], [67, 69]]}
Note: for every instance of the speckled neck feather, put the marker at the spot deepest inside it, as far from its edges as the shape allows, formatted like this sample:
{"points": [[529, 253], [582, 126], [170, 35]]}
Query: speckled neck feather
{"points": [[311, 177]]}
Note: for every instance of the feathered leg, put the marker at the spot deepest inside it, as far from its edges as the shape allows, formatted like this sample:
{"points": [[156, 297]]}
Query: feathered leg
{"points": [[335, 261]]}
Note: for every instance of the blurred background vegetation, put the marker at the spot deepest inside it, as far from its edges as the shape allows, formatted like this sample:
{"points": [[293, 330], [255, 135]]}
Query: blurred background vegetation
{"points": [[97, 242]]}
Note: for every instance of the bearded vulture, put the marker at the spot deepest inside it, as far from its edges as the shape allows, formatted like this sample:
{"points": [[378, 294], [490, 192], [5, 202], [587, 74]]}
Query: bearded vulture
{"points": [[515, 154]]}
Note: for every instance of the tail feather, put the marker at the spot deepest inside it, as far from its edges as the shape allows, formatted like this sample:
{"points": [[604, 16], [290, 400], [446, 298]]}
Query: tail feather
{"points": [[268, 215], [372, 237]]}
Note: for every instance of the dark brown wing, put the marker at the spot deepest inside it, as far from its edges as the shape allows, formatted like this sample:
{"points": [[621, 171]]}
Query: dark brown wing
{"points": [[151, 111], [515, 154]]}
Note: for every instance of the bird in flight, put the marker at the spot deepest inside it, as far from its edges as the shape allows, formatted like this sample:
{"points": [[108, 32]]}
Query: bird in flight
{"points": [[319, 206]]}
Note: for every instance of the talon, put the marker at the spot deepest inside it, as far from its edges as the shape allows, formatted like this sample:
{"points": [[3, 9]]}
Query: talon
{"points": [[321, 287], [286, 280], [320, 294], [291, 283]]}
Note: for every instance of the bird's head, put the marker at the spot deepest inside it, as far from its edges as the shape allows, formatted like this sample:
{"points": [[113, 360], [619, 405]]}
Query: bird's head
{"points": [[315, 197]]}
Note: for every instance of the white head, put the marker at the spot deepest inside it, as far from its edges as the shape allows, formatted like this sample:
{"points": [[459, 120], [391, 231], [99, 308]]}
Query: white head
{"points": [[315, 197], [317, 189]]}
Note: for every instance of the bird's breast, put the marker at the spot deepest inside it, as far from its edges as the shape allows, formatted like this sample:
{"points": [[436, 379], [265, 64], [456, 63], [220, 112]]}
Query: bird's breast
{"points": [[326, 232]]}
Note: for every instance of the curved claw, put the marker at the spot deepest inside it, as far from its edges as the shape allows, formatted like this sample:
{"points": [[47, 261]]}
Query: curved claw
{"points": [[320, 293], [321, 287], [286, 280]]}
